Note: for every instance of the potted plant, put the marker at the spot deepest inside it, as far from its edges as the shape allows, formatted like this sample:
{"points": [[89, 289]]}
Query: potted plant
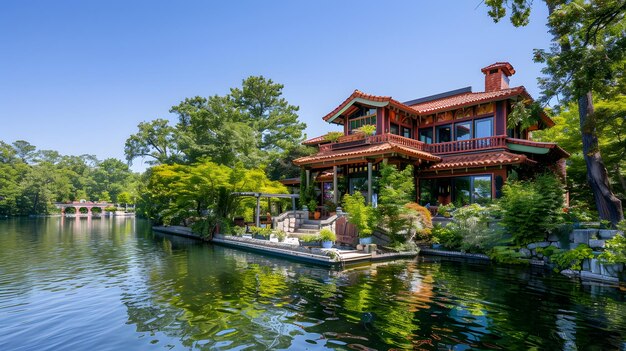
{"points": [[313, 209], [309, 240], [328, 237], [368, 129], [331, 207]]}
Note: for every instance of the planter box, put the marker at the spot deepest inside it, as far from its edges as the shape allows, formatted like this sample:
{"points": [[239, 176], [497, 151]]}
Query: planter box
{"points": [[327, 244]]}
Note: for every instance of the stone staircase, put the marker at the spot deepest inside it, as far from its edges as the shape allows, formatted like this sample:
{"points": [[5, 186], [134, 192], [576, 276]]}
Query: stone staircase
{"points": [[308, 227]]}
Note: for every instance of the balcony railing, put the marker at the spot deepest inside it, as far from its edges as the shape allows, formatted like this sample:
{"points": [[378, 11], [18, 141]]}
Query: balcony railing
{"points": [[439, 148], [468, 145]]}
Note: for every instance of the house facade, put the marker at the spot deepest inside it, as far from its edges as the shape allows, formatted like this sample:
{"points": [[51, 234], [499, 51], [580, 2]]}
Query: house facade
{"points": [[459, 142]]}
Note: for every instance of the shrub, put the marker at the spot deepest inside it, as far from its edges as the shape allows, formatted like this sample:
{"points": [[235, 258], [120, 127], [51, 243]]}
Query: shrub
{"points": [[327, 235], [239, 231], [446, 237], [359, 214], [280, 235], [265, 232], [614, 250], [310, 238], [571, 259], [419, 220], [446, 210], [506, 254], [368, 129], [471, 223], [110, 209], [531, 209], [333, 136]]}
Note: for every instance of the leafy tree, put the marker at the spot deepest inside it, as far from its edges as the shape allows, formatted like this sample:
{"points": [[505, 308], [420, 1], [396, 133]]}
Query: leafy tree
{"points": [[360, 214], [396, 189], [213, 127], [589, 48], [110, 176], [24, 150], [273, 119], [155, 139]]}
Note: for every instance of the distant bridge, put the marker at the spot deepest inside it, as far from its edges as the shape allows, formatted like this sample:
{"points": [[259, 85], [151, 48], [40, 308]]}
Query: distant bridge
{"points": [[77, 205]]}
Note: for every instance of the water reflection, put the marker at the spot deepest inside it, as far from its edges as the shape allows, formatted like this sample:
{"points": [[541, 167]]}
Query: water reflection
{"points": [[112, 284]]}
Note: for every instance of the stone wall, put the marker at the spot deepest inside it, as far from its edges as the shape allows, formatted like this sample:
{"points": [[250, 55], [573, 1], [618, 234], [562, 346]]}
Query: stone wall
{"points": [[290, 221]]}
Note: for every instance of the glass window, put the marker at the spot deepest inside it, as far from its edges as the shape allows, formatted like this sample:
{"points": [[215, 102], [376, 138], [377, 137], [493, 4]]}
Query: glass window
{"points": [[482, 189], [428, 192], [444, 133], [461, 194], [406, 132], [463, 131], [426, 135], [394, 129], [483, 127]]}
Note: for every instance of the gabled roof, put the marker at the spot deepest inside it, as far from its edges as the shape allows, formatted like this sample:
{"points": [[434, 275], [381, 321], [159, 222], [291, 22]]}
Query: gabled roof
{"points": [[366, 99], [484, 159], [365, 151]]}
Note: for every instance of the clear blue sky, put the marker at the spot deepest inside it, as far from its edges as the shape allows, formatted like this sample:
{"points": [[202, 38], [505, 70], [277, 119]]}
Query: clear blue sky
{"points": [[78, 76]]}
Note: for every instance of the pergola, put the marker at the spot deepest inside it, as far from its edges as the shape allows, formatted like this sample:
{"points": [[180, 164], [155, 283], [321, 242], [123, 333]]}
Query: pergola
{"points": [[258, 196]]}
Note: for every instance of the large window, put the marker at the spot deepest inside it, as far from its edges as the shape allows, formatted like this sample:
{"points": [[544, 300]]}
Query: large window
{"points": [[394, 129], [483, 127], [361, 121], [444, 133], [406, 132], [426, 135], [463, 131], [482, 189], [459, 190]]}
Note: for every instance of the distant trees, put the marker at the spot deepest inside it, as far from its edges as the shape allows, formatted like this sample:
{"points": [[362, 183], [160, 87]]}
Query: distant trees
{"points": [[31, 180], [253, 125]]}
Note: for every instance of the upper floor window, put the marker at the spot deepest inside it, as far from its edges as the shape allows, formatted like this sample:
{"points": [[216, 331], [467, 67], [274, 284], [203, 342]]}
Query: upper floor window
{"points": [[394, 129], [406, 132], [444, 133], [363, 116], [426, 135], [483, 127], [463, 131]]}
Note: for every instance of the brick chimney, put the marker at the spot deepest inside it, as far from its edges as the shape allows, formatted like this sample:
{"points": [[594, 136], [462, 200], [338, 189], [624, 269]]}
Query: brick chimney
{"points": [[497, 76]]}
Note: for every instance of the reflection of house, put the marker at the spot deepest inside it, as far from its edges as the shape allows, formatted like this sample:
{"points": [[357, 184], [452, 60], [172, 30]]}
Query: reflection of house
{"points": [[458, 141]]}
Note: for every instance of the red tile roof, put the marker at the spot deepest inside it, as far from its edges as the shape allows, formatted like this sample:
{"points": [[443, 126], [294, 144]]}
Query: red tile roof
{"points": [[315, 141], [505, 66], [466, 99], [364, 151], [374, 98], [484, 159]]}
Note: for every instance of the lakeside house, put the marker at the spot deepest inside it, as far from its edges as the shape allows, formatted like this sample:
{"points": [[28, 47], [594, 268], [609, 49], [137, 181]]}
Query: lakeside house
{"points": [[459, 143]]}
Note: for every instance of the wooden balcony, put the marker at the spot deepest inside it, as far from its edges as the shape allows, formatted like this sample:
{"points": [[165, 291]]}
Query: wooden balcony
{"points": [[498, 141], [356, 140]]}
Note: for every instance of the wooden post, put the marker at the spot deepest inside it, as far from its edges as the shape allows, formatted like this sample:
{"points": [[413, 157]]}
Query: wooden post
{"points": [[335, 194], [293, 203], [369, 182], [258, 210]]}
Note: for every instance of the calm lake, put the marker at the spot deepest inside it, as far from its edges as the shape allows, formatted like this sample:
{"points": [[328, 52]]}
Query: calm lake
{"points": [[113, 284]]}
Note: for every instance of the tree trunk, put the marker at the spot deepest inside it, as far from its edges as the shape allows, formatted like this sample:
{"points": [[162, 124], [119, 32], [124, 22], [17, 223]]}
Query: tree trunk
{"points": [[608, 205]]}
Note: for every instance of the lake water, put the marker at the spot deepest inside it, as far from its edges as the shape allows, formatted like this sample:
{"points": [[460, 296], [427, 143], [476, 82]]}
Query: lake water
{"points": [[113, 284]]}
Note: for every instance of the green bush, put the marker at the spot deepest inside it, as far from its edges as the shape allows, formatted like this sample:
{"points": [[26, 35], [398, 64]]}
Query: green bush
{"points": [[506, 254], [264, 232], [471, 224], [327, 235], [614, 250], [239, 231], [531, 209], [446, 237], [310, 238], [359, 214], [396, 189], [368, 129], [333, 136], [571, 259], [280, 235]]}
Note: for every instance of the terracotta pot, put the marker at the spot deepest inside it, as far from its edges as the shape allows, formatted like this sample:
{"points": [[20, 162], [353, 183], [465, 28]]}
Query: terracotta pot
{"points": [[316, 215]]}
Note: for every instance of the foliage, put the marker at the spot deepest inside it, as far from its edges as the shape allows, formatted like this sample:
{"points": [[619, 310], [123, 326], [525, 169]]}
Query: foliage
{"points": [[531, 209], [446, 210], [238, 230], [614, 250], [396, 188], [359, 214], [585, 60], [524, 114], [571, 259], [333, 136], [280, 235], [471, 224], [447, 237], [327, 235], [368, 129], [419, 220], [110, 209], [506, 255], [310, 238], [312, 205], [264, 232], [155, 139]]}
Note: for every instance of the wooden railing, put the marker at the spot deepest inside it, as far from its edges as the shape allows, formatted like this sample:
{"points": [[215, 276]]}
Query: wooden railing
{"points": [[439, 148], [467, 145]]}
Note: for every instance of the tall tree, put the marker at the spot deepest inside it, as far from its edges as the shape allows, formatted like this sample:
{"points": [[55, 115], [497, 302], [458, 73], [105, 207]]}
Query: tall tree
{"points": [[155, 139], [589, 46], [273, 119], [24, 150]]}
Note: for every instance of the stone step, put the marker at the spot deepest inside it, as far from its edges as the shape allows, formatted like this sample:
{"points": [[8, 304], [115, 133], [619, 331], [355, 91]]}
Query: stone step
{"points": [[312, 221], [310, 226], [301, 232]]}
